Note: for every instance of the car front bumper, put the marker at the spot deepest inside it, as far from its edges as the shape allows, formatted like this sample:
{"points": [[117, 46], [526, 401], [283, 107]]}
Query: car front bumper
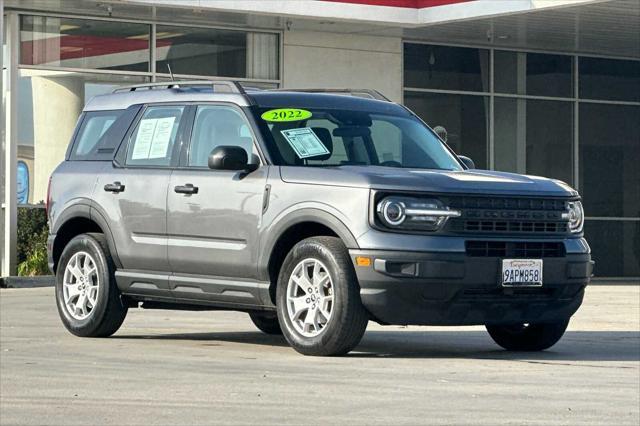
{"points": [[452, 288]]}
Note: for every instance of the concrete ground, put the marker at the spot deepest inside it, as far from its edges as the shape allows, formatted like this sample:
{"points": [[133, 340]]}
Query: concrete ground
{"points": [[166, 367]]}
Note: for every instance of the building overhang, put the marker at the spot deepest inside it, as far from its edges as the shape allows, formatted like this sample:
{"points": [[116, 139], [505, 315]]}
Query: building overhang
{"points": [[404, 13], [601, 27]]}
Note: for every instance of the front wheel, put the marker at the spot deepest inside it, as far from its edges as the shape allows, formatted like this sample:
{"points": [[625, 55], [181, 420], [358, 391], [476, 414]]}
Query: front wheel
{"points": [[318, 298], [528, 337]]}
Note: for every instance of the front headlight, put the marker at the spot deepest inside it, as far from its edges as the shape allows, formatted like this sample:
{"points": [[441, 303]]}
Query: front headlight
{"points": [[408, 213], [575, 216]]}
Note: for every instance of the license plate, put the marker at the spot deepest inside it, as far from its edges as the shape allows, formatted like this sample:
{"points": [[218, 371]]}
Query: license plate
{"points": [[521, 272]]}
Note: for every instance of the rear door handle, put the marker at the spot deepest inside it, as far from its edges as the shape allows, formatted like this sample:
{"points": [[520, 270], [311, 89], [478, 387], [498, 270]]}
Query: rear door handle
{"points": [[186, 189], [114, 187]]}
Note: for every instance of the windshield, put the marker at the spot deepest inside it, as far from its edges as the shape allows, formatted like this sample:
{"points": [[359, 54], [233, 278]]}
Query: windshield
{"points": [[324, 137]]}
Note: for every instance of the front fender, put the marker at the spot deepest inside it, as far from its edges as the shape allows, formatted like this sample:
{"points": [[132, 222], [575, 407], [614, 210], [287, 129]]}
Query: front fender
{"points": [[294, 216]]}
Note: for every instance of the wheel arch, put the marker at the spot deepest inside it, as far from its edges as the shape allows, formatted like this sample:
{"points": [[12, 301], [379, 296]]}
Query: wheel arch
{"points": [[290, 230], [76, 220]]}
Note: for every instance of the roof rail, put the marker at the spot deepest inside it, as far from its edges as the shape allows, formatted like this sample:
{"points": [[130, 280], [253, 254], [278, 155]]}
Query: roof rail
{"points": [[219, 86], [362, 93]]}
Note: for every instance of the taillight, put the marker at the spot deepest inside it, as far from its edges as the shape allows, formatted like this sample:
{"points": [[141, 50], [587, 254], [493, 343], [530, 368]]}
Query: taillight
{"points": [[48, 202]]}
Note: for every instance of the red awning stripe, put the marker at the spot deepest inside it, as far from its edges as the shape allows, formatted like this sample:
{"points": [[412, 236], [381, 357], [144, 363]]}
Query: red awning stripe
{"points": [[52, 49]]}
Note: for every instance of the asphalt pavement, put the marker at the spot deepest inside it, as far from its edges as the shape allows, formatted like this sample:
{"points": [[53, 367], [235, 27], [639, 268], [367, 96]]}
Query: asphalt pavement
{"points": [[173, 367]]}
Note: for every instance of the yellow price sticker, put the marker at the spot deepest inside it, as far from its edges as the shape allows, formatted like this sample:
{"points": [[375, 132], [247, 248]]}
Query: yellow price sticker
{"points": [[286, 114]]}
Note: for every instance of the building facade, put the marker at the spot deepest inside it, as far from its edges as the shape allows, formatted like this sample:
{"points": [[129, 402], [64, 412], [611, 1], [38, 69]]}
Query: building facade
{"points": [[547, 88]]}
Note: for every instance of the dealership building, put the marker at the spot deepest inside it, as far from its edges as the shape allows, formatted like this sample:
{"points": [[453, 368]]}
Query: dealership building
{"points": [[542, 87]]}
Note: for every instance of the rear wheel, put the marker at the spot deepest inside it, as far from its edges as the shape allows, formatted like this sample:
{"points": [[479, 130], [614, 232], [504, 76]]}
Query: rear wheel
{"points": [[267, 322], [318, 298], [88, 299], [528, 337]]}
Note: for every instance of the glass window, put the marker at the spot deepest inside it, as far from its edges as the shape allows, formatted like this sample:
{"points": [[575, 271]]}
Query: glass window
{"points": [[549, 75], [533, 74], [508, 66], [94, 125], [615, 247], [80, 43], [152, 142], [465, 117], [215, 126], [609, 157], [609, 79], [550, 139], [224, 53], [360, 137], [49, 105], [509, 131], [534, 137], [442, 67]]}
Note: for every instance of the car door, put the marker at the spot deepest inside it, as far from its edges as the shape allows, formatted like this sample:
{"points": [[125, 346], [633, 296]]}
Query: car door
{"points": [[213, 227], [132, 196]]}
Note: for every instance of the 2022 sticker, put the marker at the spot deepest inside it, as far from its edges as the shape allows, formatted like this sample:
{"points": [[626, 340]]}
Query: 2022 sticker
{"points": [[286, 114]]}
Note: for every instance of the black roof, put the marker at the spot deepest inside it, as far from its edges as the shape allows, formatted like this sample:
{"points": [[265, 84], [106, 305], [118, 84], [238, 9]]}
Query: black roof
{"points": [[284, 99]]}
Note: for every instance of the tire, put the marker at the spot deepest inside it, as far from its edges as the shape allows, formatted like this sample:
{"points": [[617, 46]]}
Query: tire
{"points": [[266, 322], [106, 316], [528, 337], [341, 327]]}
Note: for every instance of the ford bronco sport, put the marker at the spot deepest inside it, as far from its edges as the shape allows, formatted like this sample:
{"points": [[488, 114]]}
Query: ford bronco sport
{"points": [[313, 211]]}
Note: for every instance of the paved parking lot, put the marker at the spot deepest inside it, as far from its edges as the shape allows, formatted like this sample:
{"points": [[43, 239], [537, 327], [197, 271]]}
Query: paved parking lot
{"points": [[166, 367]]}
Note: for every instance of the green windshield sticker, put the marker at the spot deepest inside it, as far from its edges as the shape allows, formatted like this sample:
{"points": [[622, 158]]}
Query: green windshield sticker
{"points": [[286, 114], [305, 142]]}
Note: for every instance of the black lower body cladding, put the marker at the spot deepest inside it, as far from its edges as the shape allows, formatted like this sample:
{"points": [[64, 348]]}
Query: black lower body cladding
{"points": [[455, 289]]}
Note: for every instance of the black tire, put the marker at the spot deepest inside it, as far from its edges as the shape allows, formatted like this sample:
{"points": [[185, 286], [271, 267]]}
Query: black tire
{"points": [[267, 322], [530, 337], [348, 318], [107, 315]]}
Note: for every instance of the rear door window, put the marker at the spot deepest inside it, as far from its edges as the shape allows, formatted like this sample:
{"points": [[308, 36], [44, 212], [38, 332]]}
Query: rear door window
{"points": [[153, 141]]}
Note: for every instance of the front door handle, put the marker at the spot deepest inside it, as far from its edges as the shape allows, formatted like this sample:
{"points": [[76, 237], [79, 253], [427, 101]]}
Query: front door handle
{"points": [[114, 187], [186, 189]]}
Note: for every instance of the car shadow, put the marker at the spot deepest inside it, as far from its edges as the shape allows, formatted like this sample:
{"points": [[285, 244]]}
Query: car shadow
{"points": [[574, 346]]}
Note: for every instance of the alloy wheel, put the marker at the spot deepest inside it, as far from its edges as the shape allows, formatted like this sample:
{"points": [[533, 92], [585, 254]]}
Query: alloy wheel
{"points": [[80, 285], [310, 297]]}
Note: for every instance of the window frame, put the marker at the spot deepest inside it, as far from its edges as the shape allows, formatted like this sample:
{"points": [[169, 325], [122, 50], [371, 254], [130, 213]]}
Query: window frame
{"points": [[23, 16], [183, 162], [109, 140]]}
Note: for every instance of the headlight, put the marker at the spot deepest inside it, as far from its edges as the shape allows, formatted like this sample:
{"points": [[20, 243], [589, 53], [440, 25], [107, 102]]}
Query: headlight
{"points": [[407, 213], [575, 216]]}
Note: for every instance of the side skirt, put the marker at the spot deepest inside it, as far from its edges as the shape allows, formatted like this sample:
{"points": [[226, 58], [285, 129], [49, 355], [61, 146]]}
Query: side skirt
{"points": [[167, 291]]}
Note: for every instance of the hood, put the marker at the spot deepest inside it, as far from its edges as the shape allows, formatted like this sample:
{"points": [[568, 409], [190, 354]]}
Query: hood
{"points": [[436, 181]]}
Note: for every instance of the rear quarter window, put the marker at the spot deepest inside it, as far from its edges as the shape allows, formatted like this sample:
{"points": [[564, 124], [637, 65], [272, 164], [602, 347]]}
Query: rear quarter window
{"points": [[93, 135]]}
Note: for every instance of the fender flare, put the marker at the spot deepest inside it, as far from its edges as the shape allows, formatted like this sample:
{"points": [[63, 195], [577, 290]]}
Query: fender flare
{"points": [[99, 218], [85, 209], [308, 214], [81, 208]]}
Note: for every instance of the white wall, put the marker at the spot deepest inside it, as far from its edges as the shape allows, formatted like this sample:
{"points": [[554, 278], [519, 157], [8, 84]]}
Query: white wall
{"points": [[327, 60]]}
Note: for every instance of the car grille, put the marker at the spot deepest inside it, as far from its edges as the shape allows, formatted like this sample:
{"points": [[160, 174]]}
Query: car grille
{"points": [[502, 215], [514, 250]]}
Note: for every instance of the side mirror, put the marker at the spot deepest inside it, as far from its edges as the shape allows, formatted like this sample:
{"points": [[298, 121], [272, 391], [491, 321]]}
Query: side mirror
{"points": [[467, 162], [228, 157]]}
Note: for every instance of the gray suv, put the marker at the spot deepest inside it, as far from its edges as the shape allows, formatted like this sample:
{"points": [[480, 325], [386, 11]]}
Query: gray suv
{"points": [[313, 211]]}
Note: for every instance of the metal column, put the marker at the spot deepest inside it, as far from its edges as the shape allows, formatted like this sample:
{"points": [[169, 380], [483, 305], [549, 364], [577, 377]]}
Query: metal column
{"points": [[10, 151]]}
